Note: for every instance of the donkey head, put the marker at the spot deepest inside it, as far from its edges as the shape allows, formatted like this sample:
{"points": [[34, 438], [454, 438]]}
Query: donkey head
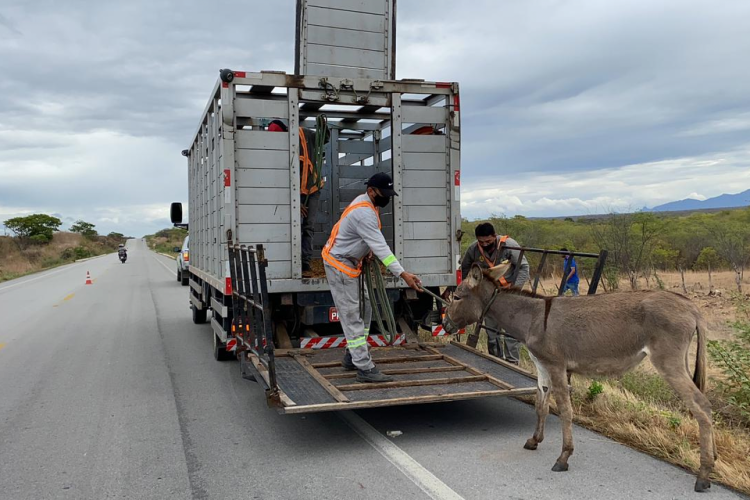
{"points": [[471, 297]]}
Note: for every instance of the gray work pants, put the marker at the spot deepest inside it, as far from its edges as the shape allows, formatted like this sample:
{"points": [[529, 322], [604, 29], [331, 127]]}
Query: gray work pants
{"points": [[501, 346], [308, 229], [345, 291]]}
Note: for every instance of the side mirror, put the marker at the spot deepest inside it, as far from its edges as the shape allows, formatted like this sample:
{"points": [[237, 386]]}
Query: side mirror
{"points": [[175, 212], [177, 250]]}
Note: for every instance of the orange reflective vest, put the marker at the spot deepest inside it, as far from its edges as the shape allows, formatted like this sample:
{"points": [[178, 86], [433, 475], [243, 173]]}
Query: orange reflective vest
{"points": [[310, 181], [500, 241], [326, 253]]}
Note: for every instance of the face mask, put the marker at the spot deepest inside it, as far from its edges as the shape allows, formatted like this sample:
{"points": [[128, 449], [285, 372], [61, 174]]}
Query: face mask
{"points": [[488, 248], [381, 201]]}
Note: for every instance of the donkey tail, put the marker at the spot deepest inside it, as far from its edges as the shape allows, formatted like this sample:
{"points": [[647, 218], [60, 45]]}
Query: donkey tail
{"points": [[699, 377]]}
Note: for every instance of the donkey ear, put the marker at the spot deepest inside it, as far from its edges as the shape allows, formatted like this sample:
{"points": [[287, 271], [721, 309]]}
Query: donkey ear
{"points": [[497, 272], [475, 276]]}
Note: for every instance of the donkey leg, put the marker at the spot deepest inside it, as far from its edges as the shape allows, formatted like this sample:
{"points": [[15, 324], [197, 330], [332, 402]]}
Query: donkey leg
{"points": [[564, 407], [700, 407], [542, 404], [542, 410]]}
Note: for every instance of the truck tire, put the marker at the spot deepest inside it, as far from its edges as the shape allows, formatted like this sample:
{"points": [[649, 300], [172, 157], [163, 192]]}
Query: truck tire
{"points": [[179, 275], [199, 316], [220, 352], [185, 278]]}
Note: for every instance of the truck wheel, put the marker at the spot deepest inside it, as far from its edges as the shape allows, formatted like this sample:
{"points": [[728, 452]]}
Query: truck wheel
{"points": [[220, 351], [185, 278], [199, 316]]}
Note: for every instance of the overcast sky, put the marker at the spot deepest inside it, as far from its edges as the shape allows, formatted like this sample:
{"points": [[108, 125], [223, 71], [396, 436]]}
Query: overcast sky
{"points": [[568, 107]]}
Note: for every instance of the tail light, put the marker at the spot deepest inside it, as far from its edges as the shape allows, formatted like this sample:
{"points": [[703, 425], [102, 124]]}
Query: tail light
{"points": [[185, 256]]}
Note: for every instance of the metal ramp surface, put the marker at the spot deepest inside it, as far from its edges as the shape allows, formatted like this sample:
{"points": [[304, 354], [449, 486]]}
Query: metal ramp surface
{"points": [[313, 380]]}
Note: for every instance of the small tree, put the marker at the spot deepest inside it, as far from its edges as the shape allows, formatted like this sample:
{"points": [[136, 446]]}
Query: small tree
{"points": [[84, 228], [630, 239], [116, 235], [708, 259], [36, 228], [732, 240]]}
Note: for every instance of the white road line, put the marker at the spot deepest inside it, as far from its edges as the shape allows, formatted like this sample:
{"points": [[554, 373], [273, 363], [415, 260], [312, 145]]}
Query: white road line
{"points": [[424, 479], [165, 266]]}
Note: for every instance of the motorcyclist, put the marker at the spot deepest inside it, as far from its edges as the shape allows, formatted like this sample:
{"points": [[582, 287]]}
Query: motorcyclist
{"points": [[121, 250]]}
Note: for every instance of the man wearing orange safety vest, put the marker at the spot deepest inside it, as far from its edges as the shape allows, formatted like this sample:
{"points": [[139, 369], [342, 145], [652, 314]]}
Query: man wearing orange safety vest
{"points": [[356, 236], [488, 251], [310, 186]]}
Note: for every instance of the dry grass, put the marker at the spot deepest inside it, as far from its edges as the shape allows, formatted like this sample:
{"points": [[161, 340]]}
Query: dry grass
{"points": [[166, 240], [662, 431], [16, 262]]}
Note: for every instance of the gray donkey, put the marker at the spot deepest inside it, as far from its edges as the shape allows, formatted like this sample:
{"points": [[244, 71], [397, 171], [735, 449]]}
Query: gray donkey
{"points": [[594, 335]]}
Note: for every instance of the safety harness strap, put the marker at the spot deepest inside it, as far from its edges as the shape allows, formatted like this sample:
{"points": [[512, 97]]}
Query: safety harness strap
{"points": [[326, 253]]}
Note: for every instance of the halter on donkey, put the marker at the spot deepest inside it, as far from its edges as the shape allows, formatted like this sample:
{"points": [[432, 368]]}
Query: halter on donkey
{"points": [[594, 335]]}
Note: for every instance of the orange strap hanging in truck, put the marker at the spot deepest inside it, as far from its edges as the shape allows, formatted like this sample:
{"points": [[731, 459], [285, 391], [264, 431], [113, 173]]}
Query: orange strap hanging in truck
{"points": [[326, 253], [308, 169], [500, 241]]}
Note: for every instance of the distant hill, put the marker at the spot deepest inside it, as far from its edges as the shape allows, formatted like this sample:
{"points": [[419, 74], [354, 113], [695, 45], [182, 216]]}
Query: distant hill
{"points": [[723, 201]]}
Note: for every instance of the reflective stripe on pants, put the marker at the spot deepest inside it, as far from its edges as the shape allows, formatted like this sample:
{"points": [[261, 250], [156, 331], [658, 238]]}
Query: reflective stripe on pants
{"points": [[345, 291]]}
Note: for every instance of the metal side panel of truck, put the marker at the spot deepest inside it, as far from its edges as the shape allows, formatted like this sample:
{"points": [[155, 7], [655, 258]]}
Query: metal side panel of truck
{"points": [[244, 181]]}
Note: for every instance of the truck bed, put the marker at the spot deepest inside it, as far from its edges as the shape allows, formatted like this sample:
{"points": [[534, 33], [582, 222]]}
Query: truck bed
{"points": [[314, 380]]}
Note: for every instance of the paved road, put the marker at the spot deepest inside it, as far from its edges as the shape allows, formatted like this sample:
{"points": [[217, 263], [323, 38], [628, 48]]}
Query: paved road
{"points": [[110, 391]]}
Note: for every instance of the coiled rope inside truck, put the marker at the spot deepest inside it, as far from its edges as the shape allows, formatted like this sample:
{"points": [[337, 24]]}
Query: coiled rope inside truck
{"points": [[318, 152], [372, 279]]}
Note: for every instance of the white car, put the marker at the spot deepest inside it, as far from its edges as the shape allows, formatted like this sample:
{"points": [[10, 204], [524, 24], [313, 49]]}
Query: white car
{"points": [[183, 262]]}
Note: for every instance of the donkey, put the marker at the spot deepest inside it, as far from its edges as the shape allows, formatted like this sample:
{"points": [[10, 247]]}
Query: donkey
{"points": [[594, 335]]}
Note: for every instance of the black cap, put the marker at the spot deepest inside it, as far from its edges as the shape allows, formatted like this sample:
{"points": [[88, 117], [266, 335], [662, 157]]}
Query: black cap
{"points": [[383, 182]]}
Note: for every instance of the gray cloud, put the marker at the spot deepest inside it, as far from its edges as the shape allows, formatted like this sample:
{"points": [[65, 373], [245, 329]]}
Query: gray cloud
{"points": [[100, 97]]}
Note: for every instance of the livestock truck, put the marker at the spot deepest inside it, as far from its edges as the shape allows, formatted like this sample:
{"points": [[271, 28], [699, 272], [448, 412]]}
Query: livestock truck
{"points": [[244, 216]]}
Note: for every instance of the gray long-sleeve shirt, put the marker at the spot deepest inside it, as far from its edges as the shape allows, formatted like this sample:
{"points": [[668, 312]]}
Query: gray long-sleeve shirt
{"points": [[518, 274], [359, 234]]}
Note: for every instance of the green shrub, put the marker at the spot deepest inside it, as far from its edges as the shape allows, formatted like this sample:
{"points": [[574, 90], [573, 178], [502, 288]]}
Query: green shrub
{"points": [[650, 387], [660, 282], [732, 357], [81, 252], [611, 277], [595, 388], [40, 238]]}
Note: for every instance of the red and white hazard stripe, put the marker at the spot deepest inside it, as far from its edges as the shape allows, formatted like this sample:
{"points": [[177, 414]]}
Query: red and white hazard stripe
{"points": [[227, 279], [231, 344], [336, 342], [439, 331]]}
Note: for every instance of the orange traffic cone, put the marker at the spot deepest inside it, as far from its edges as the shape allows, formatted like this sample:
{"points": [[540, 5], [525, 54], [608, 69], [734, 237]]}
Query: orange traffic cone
{"points": [[88, 279]]}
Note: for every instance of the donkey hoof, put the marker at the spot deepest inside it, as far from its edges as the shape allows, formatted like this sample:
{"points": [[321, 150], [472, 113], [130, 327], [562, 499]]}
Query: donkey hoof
{"points": [[530, 445], [702, 484], [558, 467]]}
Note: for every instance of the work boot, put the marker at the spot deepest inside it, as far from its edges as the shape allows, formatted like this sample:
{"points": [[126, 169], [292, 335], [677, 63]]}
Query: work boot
{"points": [[372, 375], [347, 363]]}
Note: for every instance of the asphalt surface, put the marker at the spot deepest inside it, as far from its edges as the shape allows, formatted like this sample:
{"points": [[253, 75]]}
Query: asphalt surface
{"points": [[110, 391]]}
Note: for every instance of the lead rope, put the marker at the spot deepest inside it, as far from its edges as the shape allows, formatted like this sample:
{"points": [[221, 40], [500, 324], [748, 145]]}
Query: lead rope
{"points": [[372, 279], [318, 152]]}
